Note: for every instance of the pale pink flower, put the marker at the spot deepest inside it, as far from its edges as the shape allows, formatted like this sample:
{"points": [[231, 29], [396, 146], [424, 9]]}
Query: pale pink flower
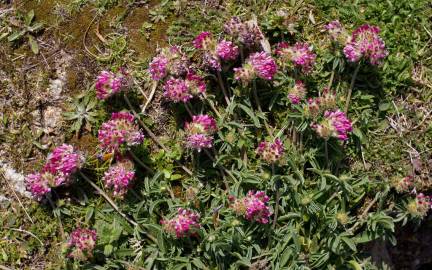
{"points": [[366, 43], [271, 152], [297, 93], [119, 133], [184, 224], [109, 83], [335, 124], [226, 50], [119, 177], [199, 132], [253, 207], [81, 244]]}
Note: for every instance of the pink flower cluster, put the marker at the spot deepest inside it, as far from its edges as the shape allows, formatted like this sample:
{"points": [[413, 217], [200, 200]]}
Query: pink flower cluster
{"points": [[215, 52], [58, 170], [203, 40], [185, 223], [300, 55], [335, 124], [81, 244], [200, 132], [424, 204], [119, 133], [109, 83], [119, 177], [226, 50], [315, 106], [297, 93], [271, 152], [259, 64], [367, 44], [182, 90], [169, 61], [253, 207], [337, 32], [247, 33], [404, 184]]}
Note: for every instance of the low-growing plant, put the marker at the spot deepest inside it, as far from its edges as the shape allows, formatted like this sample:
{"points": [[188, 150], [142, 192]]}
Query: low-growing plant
{"points": [[260, 171]]}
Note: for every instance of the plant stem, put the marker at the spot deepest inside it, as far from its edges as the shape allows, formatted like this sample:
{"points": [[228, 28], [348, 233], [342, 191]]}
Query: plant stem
{"points": [[222, 87], [140, 162], [220, 166], [114, 205], [188, 109], [330, 83], [212, 106], [353, 79], [152, 135], [326, 153], [277, 200], [108, 199], [255, 93]]}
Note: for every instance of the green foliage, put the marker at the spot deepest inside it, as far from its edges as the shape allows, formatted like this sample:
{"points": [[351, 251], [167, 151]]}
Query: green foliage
{"points": [[327, 212], [84, 113], [24, 26]]}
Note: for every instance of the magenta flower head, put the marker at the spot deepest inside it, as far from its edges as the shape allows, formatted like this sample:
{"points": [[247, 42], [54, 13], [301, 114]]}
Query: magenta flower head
{"points": [[259, 64], [169, 61], [420, 206], [312, 108], [247, 33], [195, 83], [203, 40], [81, 244], [64, 160], [327, 99], [177, 90], [199, 132], [109, 83], [253, 207], [119, 177], [335, 124], [337, 32], [271, 152], [300, 55], [366, 43], [38, 184], [226, 50], [119, 133], [184, 224], [297, 93], [158, 67], [58, 170]]}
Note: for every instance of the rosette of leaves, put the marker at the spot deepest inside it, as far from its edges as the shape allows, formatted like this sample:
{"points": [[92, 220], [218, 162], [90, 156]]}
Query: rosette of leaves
{"points": [[26, 28], [84, 112]]}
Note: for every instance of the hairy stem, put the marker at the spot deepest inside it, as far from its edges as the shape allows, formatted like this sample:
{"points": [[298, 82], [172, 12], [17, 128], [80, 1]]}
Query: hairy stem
{"points": [[150, 170], [255, 93], [353, 79], [222, 87], [326, 153], [277, 200], [114, 205], [212, 106]]}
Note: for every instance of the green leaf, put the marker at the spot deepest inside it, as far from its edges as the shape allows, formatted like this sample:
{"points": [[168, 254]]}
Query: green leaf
{"points": [[384, 106], [108, 249], [16, 35], [354, 265], [350, 243], [29, 17], [198, 263], [251, 114], [33, 44]]}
